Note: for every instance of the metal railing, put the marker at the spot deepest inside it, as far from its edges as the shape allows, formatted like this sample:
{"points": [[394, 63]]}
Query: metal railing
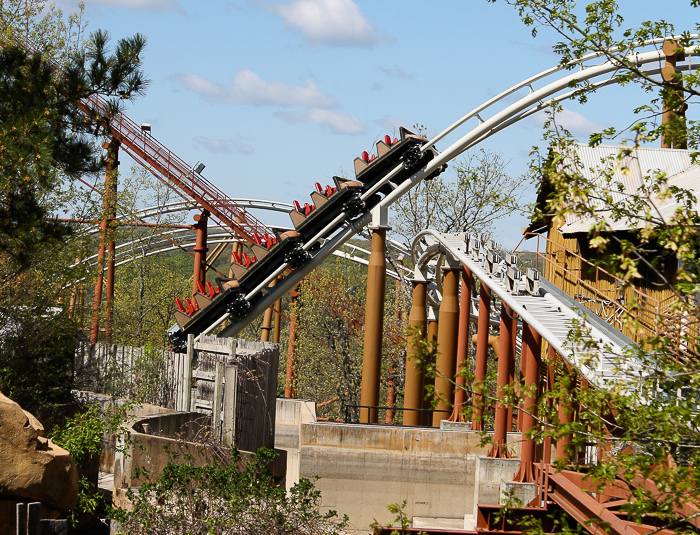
{"points": [[617, 305]]}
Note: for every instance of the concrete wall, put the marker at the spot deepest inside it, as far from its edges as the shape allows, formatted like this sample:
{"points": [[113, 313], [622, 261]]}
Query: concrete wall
{"points": [[364, 468], [290, 415]]}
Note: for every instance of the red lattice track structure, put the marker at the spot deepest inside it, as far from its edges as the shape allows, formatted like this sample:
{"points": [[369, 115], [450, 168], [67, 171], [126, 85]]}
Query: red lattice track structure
{"points": [[167, 166]]}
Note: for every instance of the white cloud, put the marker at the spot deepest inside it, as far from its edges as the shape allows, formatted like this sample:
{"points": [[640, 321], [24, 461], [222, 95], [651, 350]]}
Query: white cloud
{"points": [[223, 146], [328, 22], [249, 88], [142, 5], [573, 121], [338, 122], [390, 122], [398, 73]]}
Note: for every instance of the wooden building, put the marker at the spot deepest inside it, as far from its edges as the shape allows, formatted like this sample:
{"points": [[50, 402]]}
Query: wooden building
{"points": [[619, 175]]}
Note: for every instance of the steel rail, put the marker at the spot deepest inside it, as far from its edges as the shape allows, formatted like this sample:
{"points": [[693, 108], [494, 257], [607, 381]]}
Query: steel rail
{"points": [[500, 119], [549, 316]]}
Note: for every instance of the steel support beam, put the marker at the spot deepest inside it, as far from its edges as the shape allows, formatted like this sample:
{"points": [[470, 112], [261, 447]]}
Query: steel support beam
{"points": [[200, 250], [505, 355], [289, 384], [447, 344], [374, 327], [415, 376], [531, 352], [482, 351]]}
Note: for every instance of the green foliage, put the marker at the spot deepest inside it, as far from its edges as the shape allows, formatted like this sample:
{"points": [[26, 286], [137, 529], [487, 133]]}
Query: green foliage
{"points": [[644, 429], [46, 138], [401, 519], [240, 496], [471, 199], [83, 437]]}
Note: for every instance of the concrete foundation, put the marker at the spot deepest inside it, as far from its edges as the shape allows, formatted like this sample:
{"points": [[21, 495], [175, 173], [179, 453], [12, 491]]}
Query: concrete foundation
{"points": [[519, 494], [363, 468]]}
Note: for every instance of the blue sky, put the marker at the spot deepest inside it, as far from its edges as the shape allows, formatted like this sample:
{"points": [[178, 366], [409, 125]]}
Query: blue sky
{"points": [[275, 95]]}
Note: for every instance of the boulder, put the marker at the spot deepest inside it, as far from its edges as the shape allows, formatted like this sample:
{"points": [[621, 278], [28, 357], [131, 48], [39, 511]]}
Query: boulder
{"points": [[32, 468]]}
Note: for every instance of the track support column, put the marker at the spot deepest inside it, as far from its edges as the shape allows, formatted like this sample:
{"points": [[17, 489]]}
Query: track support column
{"points": [[567, 409], [505, 355], [482, 352], [415, 376], [433, 326], [267, 321], [374, 319], [465, 301], [447, 344], [108, 208], [113, 172], [289, 391], [532, 353], [200, 249]]}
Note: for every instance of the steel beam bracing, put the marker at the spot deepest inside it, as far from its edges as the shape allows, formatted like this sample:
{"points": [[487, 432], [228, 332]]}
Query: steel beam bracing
{"points": [[166, 165], [536, 99], [600, 355]]}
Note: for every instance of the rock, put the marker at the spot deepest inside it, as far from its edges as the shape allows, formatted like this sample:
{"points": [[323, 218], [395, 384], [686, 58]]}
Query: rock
{"points": [[32, 468]]}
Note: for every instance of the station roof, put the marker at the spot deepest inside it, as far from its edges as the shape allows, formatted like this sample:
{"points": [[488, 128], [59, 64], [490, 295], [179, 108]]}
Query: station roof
{"points": [[620, 173]]}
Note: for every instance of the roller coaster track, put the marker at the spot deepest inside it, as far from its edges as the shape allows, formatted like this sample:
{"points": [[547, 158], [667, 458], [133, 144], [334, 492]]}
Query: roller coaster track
{"points": [[166, 165], [318, 243], [599, 354]]}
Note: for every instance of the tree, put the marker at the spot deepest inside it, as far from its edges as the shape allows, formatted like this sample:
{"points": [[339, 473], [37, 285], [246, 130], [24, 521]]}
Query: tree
{"points": [[46, 143], [647, 432], [238, 496], [479, 193], [46, 137]]}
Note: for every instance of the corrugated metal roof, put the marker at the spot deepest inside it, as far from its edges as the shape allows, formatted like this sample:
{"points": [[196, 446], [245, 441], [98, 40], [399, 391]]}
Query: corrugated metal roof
{"points": [[627, 176]]}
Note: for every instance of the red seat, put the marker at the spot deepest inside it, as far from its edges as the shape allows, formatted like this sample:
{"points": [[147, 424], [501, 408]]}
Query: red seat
{"points": [[257, 238], [201, 288], [365, 156], [211, 291], [237, 258], [319, 188], [297, 206], [307, 208], [180, 306], [191, 308]]}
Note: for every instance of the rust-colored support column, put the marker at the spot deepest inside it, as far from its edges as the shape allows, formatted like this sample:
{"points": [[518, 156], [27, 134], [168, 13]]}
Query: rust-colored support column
{"points": [[267, 321], [465, 302], [567, 409], [112, 161], [278, 318], [200, 249], [289, 390], [447, 344], [415, 376], [482, 352], [374, 326], [505, 355], [432, 333], [107, 208], [547, 446], [532, 353]]}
